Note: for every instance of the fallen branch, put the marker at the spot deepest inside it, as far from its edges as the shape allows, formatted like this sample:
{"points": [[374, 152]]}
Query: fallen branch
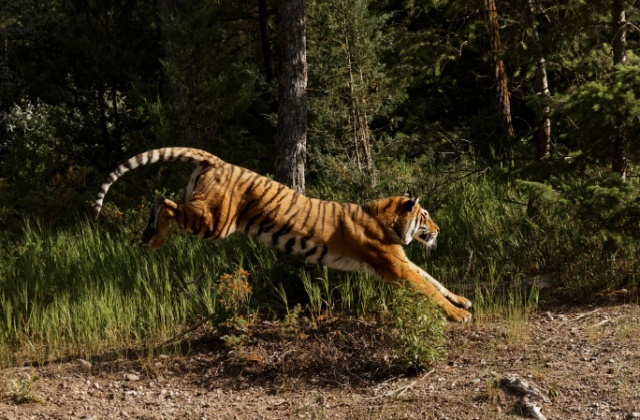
{"points": [[530, 408], [526, 406], [519, 386], [403, 389]]}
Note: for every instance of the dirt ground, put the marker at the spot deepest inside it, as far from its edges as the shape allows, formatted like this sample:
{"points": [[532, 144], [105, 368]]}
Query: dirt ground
{"points": [[584, 360]]}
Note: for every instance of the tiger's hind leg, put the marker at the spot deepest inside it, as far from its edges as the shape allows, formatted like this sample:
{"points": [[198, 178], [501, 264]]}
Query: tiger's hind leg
{"points": [[193, 217], [162, 213]]}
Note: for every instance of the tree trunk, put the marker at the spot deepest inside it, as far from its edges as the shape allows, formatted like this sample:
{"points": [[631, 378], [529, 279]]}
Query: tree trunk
{"points": [[263, 15], [291, 137], [541, 85], [502, 81], [619, 44]]}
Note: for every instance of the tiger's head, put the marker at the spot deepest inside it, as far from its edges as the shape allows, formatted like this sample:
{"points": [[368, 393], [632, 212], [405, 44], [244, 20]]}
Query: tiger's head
{"points": [[416, 223], [405, 220]]}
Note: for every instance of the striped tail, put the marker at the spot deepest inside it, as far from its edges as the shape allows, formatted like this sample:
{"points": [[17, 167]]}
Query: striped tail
{"points": [[169, 154]]}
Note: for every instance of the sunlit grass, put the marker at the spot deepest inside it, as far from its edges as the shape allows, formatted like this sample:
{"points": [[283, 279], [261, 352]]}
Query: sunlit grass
{"points": [[93, 288], [81, 291]]}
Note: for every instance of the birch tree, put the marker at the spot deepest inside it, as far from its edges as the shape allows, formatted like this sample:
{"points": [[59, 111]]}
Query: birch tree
{"points": [[619, 45], [541, 84]]}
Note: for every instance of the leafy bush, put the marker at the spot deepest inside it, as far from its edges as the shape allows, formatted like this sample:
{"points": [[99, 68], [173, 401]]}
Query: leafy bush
{"points": [[417, 330]]}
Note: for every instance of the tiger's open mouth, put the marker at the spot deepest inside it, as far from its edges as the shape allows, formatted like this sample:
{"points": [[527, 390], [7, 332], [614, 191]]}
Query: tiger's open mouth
{"points": [[428, 238]]}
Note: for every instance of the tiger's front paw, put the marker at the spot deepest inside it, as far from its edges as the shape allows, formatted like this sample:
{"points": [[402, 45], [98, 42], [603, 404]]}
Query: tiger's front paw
{"points": [[455, 314]]}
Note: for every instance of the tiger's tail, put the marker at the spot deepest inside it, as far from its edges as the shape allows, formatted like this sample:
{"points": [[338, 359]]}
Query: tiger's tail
{"points": [[168, 154]]}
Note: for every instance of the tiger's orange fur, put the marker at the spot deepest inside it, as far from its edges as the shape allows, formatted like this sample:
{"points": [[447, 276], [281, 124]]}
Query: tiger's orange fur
{"points": [[222, 198]]}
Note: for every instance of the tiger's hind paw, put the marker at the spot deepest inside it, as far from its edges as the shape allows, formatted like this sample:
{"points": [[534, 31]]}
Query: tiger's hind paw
{"points": [[160, 219], [148, 234]]}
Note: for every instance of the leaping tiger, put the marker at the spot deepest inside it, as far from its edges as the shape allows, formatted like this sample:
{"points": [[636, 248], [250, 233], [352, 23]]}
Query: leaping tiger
{"points": [[222, 198]]}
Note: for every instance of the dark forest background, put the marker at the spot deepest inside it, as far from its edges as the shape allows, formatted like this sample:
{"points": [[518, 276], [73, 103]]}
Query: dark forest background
{"points": [[539, 99]]}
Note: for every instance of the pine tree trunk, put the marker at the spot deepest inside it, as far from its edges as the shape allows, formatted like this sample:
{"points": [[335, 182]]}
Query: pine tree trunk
{"points": [[541, 85], [291, 137], [619, 44], [502, 81]]}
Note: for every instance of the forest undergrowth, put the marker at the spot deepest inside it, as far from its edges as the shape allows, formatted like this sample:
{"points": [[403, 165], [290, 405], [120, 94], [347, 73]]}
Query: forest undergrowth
{"points": [[85, 288]]}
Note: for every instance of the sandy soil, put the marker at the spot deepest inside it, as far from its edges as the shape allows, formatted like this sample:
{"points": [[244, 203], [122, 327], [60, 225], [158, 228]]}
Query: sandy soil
{"points": [[584, 360]]}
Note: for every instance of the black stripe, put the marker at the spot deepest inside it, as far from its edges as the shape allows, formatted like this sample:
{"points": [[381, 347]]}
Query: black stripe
{"points": [[283, 231], [195, 183], [288, 248], [262, 180], [268, 228], [208, 233], [324, 252], [197, 224], [251, 221], [245, 209], [215, 219], [385, 208], [310, 252], [230, 219], [280, 188], [182, 222], [324, 214], [263, 224], [303, 242], [293, 202], [248, 185]]}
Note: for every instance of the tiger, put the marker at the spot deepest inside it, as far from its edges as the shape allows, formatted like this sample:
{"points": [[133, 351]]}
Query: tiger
{"points": [[222, 198]]}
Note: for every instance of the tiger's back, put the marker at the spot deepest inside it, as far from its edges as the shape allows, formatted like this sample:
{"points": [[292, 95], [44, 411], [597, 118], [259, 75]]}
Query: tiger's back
{"points": [[222, 198]]}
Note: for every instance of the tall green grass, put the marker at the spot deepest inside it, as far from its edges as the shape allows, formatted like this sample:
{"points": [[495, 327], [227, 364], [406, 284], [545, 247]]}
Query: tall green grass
{"points": [[81, 290]]}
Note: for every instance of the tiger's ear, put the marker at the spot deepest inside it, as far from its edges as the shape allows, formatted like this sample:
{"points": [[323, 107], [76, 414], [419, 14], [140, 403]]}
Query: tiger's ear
{"points": [[408, 194], [409, 205]]}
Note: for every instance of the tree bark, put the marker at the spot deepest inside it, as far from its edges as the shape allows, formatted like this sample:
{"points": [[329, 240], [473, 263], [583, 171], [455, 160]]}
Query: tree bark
{"points": [[619, 44], [541, 85], [502, 81], [291, 137]]}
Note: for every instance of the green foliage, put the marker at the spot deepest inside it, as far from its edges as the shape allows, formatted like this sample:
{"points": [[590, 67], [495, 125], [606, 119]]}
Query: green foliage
{"points": [[595, 110], [351, 90], [216, 97], [597, 224], [417, 331], [22, 388], [40, 162]]}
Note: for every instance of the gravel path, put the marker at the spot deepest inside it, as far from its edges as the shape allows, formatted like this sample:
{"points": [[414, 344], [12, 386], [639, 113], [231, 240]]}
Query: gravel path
{"points": [[585, 361]]}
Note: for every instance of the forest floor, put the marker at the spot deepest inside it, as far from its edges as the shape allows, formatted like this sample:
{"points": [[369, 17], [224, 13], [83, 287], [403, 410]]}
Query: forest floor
{"points": [[584, 360]]}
